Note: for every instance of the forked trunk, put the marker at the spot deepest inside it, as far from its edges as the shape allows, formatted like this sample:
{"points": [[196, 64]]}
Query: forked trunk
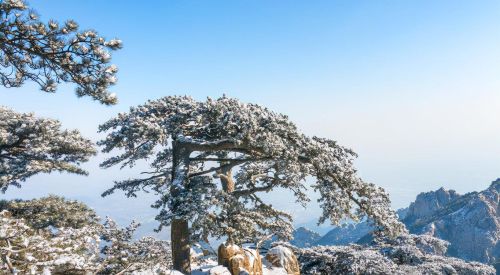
{"points": [[180, 246]]}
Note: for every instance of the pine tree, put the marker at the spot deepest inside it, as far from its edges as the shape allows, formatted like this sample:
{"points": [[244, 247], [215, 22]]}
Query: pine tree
{"points": [[31, 145], [51, 53], [250, 149], [47, 54], [53, 235]]}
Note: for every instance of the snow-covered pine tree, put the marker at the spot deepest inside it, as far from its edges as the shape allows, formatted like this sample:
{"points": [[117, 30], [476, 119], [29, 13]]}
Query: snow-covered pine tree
{"points": [[251, 149], [51, 53], [48, 235], [124, 255], [58, 236], [31, 145], [25, 250], [47, 54]]}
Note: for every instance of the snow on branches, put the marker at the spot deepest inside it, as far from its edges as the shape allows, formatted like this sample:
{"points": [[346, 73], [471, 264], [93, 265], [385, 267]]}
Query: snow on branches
{"points": [[250, 149], [122, 254], [51, 211], [30, 145], [28, 251], [66, 237], [30, 242], [51, 53], [407, 254]]}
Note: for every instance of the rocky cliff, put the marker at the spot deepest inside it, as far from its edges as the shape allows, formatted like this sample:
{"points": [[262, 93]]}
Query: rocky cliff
{"points": [[428, 203], [471, 222]]}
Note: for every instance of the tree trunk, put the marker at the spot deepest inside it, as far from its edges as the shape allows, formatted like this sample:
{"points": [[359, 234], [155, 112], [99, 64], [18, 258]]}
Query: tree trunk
{"points": [[180, 227], [226, 177], [180, 246]]}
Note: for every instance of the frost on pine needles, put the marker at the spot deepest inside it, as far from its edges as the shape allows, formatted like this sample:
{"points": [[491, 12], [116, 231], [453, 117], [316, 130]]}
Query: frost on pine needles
{"points": [[56, 236], [52, 53], [31, 145], [210, 161]]}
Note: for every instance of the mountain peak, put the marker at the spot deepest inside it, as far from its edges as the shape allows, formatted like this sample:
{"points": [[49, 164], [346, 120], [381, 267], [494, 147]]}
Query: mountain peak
{"points": [[470, 222], [428, 203], [303, 237], [495, 185]]}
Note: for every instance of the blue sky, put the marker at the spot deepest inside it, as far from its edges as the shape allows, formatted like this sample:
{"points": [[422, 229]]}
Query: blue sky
{"points": [[412, 86]]}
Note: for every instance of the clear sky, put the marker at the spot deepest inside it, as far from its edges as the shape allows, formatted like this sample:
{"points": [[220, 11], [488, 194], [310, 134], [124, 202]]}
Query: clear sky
{"points": [[412, 86]]}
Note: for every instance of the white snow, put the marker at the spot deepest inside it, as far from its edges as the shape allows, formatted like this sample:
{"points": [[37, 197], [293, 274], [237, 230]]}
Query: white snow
{"points": [[210, 267]]}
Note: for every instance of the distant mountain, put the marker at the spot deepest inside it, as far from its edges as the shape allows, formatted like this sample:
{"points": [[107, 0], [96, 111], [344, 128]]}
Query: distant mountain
{"points": [[353, 233], [470, 222], [344, 235], [303, 237], [427, 204]]}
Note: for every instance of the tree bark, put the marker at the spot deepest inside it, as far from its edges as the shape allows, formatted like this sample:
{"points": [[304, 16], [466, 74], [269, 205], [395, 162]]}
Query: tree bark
{"points": [[180, 246], [180, 227], [226, 177]]}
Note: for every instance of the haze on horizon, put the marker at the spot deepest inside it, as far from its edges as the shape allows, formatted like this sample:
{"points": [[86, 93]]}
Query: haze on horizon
{"points": [[413, 87]]}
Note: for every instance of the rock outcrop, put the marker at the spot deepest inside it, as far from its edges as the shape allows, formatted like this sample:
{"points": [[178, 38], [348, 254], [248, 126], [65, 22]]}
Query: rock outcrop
{"points": [[471, 222], [239, 260], [226, 251], [281, 256], [426, 204]]}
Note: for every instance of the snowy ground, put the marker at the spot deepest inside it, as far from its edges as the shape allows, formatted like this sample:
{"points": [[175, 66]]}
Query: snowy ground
{"points": [[210, 267]]}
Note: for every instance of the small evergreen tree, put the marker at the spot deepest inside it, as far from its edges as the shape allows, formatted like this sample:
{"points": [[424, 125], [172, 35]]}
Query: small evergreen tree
{"points": [[58, 236]]}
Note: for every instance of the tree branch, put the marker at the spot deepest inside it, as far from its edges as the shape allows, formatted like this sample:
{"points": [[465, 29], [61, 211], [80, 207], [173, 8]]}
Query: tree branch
{"points": [[234, 162], [239, 193]]}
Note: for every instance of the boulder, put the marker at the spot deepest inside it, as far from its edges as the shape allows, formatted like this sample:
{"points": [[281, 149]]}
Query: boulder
{"points": [[281, 256], [237, 265], [253, 261], [239, 260], [226, 251]]}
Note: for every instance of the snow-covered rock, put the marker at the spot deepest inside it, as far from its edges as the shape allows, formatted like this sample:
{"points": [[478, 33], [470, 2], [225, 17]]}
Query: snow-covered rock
{"points": [[281, 256], [226, 251], [240, 260]]}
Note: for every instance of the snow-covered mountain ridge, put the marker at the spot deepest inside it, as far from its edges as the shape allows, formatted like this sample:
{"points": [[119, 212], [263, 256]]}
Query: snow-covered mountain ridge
{"points": [[470, 222]]}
